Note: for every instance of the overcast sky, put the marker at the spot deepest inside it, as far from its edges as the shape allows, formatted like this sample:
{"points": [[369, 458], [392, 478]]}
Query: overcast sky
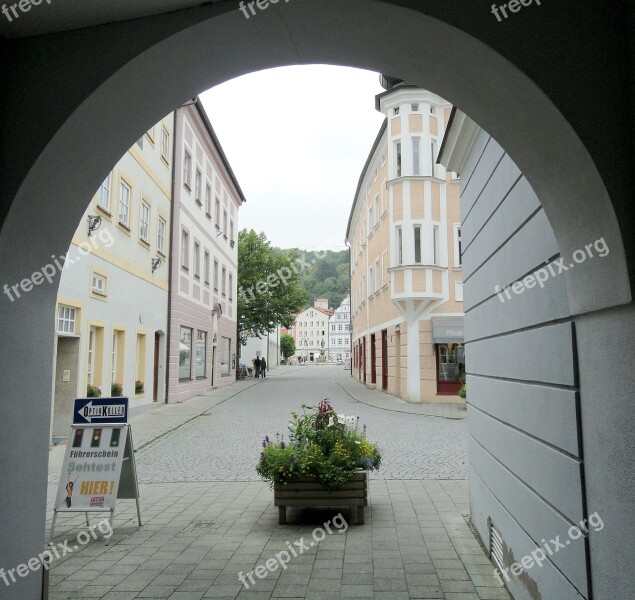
{"points": [[297, 139]]}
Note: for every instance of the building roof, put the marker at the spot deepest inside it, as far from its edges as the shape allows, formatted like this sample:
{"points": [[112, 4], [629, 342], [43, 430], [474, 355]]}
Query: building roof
{"points": [[380, 134], [201, 111]]}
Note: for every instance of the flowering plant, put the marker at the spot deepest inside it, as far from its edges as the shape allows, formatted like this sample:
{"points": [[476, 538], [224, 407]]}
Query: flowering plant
{"points": [[93, 391], [321, 445]]}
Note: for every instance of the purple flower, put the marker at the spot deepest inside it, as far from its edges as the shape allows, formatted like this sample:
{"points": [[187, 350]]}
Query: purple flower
{"points": [[282, 445], [266, 441]]}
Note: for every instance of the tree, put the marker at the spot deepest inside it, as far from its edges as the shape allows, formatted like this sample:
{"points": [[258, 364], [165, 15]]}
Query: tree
{"points": [[268, 290], [287, 345]]}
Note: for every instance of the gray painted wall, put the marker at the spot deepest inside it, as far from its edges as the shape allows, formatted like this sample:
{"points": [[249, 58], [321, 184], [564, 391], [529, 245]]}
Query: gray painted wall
{"points": [[525, 449], [550, 413]]}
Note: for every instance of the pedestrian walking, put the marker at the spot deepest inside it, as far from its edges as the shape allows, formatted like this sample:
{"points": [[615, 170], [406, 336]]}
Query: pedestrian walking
{"points": [[263, 367], [257, 366]]}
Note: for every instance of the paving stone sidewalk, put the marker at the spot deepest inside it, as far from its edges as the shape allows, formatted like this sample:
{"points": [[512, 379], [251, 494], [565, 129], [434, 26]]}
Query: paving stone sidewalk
{"points": [[379, 399], [198, 535]]}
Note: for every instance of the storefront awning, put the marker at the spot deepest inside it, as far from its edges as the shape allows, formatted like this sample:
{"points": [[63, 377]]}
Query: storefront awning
{"points": [[447, 329]]}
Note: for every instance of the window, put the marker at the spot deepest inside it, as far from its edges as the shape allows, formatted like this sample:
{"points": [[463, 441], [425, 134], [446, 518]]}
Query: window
{"points": [[376, 208], [435, 245], [370, 281], [225, 223], [117, 356], [161, 230], [231, 287], [144, 222], [375, 175], [414, 107], [200, 356], [377, 276], [140, 362], [66, 319], [165, 144], [216, 275], [396, 111], [95, 356], [187, 170], [433, 158], [340, 328], [98, 284], [140, 143], [206, 267], [217, 212], [197, 260], [150, 134], [225, 353], [103, 194], [398, 159], [417, 236], [185, 354], [208, 200], [113, 359], [399, 245], [416, 143], [433, 110], [458, 246], [198, 183], [90, 366], [370, 219], [185, 249], [124, 203], [231, 229]]}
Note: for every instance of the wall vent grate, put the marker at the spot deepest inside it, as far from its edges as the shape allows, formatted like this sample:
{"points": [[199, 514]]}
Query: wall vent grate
{"points": [[496, 546]]}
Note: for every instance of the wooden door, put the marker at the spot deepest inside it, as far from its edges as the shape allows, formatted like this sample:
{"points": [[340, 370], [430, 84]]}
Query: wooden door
{"points": [[384, 359], [155, 388]]}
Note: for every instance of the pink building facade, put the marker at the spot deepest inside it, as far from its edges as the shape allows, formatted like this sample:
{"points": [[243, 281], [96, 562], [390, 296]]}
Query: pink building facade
{"points": [[203, 276]]}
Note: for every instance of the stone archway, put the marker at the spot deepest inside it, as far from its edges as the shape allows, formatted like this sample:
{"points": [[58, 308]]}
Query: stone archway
{"points": [[101, 93]]}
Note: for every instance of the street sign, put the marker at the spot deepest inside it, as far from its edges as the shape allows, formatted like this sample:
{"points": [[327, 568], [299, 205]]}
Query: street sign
{"points": [[95, 411]]}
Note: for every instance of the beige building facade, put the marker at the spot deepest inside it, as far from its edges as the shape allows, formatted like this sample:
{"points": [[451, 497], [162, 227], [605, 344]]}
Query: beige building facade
{"points": [[404, 232], [311, 332]]}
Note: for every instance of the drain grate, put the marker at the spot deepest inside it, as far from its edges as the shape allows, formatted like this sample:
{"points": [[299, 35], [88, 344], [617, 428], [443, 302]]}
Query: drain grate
{"points": [[201, 527]]}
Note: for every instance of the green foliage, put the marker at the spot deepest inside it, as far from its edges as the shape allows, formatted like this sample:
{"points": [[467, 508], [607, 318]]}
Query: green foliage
{"points": [[268, 290], [287, 345], [138, 387], [320, 447], [116, 389], [324, 274], [93, 391], [463, 391]]}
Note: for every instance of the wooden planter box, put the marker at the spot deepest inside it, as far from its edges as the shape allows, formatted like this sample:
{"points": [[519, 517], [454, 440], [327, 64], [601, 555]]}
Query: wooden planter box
{"points": [[308, 493]]}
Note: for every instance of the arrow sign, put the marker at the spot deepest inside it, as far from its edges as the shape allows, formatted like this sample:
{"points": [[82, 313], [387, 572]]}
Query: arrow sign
{"points": [[100, 410]]}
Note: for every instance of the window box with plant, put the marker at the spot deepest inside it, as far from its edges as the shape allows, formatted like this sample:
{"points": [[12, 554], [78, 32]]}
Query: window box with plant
{"points": [[324, 462], [93, 391], [116, 389], [138, 387]]}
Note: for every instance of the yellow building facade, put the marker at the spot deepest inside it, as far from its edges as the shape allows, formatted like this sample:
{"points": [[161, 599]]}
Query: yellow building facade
{"points": [[404, 232]]}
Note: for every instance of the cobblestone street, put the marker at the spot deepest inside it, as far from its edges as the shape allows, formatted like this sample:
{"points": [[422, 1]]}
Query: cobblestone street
{"points": [[223, 443], [207, 517]]}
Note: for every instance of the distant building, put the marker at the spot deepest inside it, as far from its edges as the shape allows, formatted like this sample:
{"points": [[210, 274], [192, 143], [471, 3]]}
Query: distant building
{"points": [[405, 237], [311, 329], [112, 305], [340, 332], [267, 345], [207, 197]]}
